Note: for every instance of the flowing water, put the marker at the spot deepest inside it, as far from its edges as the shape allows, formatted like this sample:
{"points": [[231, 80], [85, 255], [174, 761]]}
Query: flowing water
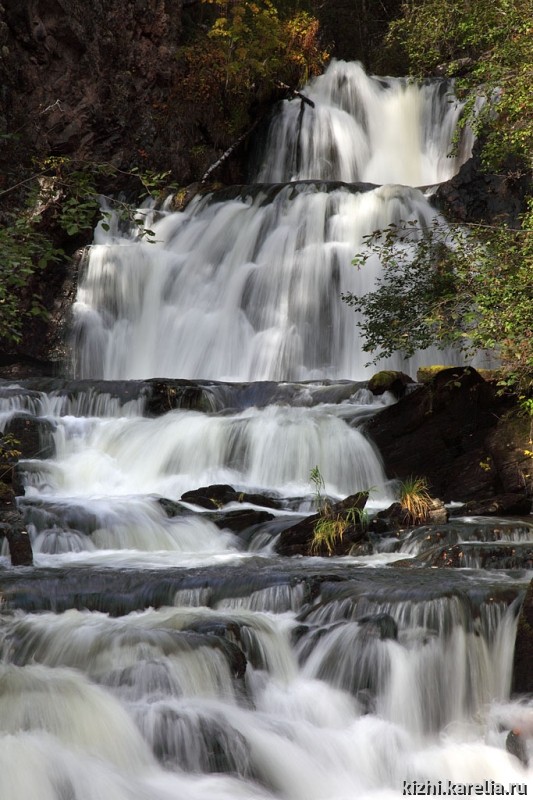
{"points": [[153, 654]]}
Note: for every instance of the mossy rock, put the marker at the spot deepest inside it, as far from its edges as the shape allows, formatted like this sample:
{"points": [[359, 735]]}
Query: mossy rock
{"points": [[426, 374], [389, 380]]}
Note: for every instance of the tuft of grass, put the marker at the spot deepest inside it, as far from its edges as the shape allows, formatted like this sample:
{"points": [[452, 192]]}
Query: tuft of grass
{"points": [[358, 517], [415, 499], [315, 477], [331, 525], [327, 534]]}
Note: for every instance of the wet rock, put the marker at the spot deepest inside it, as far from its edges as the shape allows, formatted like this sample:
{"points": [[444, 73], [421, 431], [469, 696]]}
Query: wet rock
{"points": [[522, 682], [13, 529], [32, 436], [170, 508], [218, 747], [381, 626], [389, 381], [395, 518], [481, 555], [473, 195], [226, 636], [19, 542], [502, 505], [214, 496], [391, 519], [239, 521], [297, 539], [516, 745], [428, 538], [164, 396], [219, 495], [441, 431], [361, 549], [438, 513]]}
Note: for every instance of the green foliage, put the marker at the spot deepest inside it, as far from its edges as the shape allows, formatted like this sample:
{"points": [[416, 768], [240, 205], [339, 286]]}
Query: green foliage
{"points": [[465, 286], [249, 49], [315, 477], [9, 447], [59, 201], [23, 250], [9, 454], [490, 41], [329, 529]]}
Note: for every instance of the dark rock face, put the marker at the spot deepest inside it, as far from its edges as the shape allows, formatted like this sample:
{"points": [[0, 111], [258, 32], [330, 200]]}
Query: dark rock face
{"points": [[523, 653], [94, 84], [355, 30], [474, 196], [12, 527], [455, 432], [19, 545]]}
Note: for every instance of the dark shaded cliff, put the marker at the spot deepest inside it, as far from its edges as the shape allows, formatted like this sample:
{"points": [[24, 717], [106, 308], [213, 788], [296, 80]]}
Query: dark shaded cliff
{"points": [[90, 80]]}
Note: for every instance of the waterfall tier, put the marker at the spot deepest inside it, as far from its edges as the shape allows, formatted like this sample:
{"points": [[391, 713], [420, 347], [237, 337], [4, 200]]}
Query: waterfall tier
{"points": [[246, 285]]}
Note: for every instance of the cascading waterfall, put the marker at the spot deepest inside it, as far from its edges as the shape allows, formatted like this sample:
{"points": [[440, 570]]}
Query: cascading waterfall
{"points": [[248, 288], [153, 654]]}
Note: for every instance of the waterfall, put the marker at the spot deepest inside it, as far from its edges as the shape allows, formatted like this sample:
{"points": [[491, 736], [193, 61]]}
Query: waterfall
{"points": [[248, 287], [363, 129], [155, 652]]}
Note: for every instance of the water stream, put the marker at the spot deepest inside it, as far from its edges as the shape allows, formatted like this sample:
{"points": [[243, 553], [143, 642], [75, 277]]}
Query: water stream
{"points": [[153, 654]]}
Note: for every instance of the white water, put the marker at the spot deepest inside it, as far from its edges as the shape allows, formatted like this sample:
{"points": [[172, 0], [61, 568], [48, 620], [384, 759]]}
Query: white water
{"points": [[157, 704], [249, 288], [90, 693], [375, 130]]}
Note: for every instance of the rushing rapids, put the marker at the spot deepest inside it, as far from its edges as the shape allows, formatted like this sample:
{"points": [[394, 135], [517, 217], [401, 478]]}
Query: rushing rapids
{"points": [[152, 653]]}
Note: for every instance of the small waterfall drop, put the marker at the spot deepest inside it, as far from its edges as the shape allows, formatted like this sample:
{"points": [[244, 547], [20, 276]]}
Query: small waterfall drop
{"points": [[364, 129]]}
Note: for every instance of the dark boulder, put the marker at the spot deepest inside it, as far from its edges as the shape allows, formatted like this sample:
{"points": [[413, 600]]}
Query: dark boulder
{"points": [[396, 518], [442, 431], [171, 508], [298, 539], [220, 494], [500, 506], [389, 381], [238, 521]]}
